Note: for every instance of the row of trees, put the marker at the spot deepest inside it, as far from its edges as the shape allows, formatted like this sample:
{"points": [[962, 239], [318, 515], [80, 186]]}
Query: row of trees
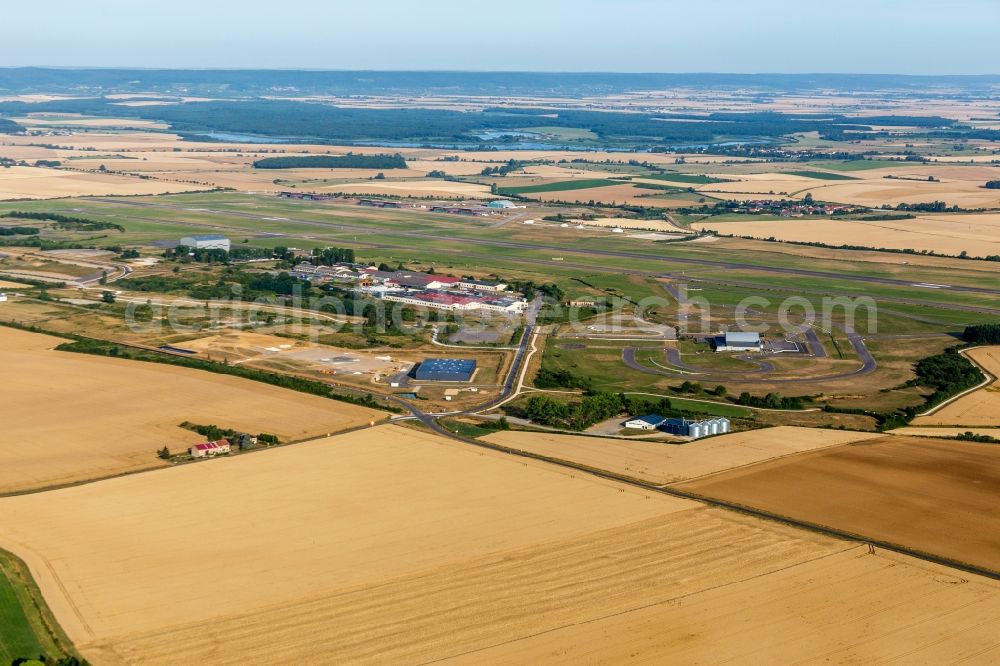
{"points": [[988, 334], [592, 409], [504, 169], [18, 231], [595, 407], [328, 256], [772, 401]]}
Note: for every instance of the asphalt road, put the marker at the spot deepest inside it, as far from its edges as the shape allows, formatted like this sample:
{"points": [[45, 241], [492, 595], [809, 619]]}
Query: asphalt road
{"points": [[814, 343], [674, 358], [868, 365]]}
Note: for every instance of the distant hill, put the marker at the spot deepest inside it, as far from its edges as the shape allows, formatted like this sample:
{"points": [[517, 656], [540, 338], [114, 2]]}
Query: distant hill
{"points": [[242, 83], [8, 126]]}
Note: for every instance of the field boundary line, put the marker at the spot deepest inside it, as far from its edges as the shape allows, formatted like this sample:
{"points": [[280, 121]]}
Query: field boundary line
{"points": [[670, 489]]}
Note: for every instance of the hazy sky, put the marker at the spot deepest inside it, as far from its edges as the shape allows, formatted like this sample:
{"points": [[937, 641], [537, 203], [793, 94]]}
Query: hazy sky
{"points": [[885, 36]]}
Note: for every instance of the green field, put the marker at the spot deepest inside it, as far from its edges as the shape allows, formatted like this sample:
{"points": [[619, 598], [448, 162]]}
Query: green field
{"points": [[821, 175], [710, 407], [444, 242], [561, 186], [26, 630]]}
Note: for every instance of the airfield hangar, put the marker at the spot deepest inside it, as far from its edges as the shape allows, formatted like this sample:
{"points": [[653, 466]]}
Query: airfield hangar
{"points": [[206, 242], [734, 341]]}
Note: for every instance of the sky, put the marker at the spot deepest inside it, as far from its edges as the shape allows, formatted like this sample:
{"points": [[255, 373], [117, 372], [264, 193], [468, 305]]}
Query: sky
{"points": [[856, 36]]}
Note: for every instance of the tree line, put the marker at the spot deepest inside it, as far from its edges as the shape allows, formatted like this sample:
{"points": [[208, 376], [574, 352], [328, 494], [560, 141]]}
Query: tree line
{"points": [[986, 334]]}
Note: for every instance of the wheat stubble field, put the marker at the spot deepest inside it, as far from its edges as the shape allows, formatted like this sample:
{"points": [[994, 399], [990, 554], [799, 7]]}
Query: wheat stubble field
{"points": [[664, 463], [933, 495], [51, 398], [305, 540], [396, 546]]}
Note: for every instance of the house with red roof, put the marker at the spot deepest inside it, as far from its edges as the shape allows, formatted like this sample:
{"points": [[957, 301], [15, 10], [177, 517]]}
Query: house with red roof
{"points": [[210, 449]]}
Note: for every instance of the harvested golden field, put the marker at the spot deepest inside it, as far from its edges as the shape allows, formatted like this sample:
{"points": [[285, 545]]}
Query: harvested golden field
{"points": [[463, 168], [944, 431], [38, 183], [324, 547], [552, 171], [847, 607], [960, 185], [935, 496], [395, 546], [668, 463], [955, 185], [979, 408], [747, 186], [627, 223], [610, 194], [977, 234], [414, 188], [70, 417]]}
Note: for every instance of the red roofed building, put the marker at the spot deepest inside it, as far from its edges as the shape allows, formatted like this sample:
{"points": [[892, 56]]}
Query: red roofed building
{"points": [[210, 449]]}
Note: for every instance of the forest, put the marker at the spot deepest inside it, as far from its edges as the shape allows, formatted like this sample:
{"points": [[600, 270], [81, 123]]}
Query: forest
{"points": [[8, 126], [323, 123]]}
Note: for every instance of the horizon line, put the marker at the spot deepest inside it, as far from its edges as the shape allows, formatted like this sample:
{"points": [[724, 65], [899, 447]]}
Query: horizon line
{"points": [[481, 71]]}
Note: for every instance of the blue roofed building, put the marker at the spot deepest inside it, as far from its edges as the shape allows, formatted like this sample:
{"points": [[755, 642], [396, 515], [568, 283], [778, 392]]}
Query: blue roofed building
{"points": [[445, 370]]}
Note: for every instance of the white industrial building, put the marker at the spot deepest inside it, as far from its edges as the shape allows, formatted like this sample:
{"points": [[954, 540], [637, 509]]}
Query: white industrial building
{"points": [[734, 341], [501, 204], [477, 285], [647, 422], [206, 242]]}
